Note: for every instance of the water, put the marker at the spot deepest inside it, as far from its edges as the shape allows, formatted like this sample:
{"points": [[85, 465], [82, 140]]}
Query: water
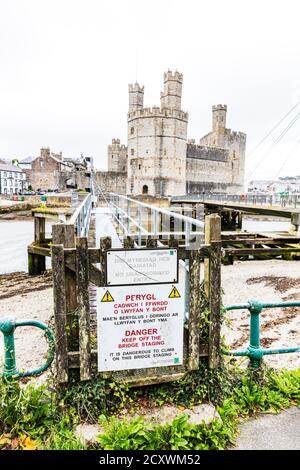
{"points": [[266, 225], [15, 235]]}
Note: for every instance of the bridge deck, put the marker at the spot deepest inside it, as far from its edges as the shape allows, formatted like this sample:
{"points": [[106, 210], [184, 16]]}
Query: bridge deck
{"points": [[276, 211]]}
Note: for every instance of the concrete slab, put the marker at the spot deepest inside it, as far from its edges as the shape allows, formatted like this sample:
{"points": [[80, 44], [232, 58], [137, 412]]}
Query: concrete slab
{"points": [[105, 226], [271, 432]]}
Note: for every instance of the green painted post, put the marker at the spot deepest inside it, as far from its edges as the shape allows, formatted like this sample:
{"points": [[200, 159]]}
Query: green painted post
{"points": [[7, 326], [255, 352]]}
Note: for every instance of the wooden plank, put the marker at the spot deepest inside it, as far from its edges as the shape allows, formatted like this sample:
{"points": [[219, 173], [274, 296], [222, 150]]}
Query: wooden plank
{"points": [[212, 230], [38, 250], [215, 305], [259, 241], [93, 253], [254, 251], [194, 310], [60, 313], [82, 278]]}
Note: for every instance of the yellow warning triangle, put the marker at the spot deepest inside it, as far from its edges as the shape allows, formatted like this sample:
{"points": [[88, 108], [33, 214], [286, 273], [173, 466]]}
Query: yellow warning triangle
{"points": [[174, 294], [107, 297]]}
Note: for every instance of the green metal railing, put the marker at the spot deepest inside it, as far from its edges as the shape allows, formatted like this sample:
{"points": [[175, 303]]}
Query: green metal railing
{"points": [[7, 327], [254, 351]]}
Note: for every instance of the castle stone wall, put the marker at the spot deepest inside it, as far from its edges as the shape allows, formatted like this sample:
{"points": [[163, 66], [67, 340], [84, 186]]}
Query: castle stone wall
{"points": [[110, 181]]}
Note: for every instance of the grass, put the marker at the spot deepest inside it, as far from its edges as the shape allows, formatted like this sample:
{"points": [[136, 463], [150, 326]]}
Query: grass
{"points": [[43, 418]]}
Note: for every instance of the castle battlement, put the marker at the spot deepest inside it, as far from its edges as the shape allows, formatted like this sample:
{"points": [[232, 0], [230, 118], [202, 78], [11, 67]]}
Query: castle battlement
{"points": [[135, 88], [235, 135], [155, 111], [176, 76], [220, 107]]}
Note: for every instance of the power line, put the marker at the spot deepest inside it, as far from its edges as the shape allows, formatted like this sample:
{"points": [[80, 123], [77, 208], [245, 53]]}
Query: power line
{"points": [[288, 157], [276, 141], [273, 129]]}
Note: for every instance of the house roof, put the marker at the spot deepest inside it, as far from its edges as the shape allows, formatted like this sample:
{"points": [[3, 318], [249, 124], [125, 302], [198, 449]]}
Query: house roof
{"points": [[9, 167], [27, 160]]}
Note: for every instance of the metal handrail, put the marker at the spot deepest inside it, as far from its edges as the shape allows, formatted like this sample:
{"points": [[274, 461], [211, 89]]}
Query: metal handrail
{"points": [[184, 218], [7, 327], [254, 351], [81, 217], [121, 210], [285, 201]]}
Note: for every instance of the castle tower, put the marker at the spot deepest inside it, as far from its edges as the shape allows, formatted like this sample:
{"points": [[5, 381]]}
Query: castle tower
{"points": [[219, 112], [171, 96], [157, 142], [136, 97], [117, 156]]}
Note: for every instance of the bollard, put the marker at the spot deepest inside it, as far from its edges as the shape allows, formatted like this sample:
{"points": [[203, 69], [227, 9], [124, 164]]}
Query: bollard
{"points": [[255, 354], [7, 327]]}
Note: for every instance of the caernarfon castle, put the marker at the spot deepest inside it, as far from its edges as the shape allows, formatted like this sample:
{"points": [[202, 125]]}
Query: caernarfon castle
{"points": [[159, 159]]}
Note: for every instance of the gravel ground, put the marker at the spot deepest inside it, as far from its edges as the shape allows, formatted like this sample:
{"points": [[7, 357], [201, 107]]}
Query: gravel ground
{"points": [[269, 281], [273, 280], [30, 343]]}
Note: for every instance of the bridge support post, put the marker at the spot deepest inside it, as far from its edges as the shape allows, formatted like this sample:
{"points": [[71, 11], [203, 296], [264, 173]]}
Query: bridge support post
{"points": [[37, 263], [295, 223]]}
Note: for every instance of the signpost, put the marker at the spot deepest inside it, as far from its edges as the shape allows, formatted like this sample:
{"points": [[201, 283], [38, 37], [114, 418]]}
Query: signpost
{"points": [[141, 266]]}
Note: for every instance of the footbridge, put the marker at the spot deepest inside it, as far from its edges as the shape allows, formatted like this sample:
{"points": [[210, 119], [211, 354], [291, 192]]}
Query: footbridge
{"points": [[231, 207]]}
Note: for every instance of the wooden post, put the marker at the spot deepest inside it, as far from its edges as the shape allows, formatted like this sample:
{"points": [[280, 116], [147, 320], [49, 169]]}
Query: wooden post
{"points": [[212, 229], [69, 242], [60, 314], [194, 309], [82, 277], [215, 305], [65, 234], [37, 263], [39, 228], [212, 285]]}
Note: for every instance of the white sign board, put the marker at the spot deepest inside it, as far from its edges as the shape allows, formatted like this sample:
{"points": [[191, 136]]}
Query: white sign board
{"points": [[140, 326], [146, 266]]}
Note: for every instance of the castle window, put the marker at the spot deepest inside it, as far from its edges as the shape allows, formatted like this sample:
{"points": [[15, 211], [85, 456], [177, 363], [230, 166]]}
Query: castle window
{"points": [[146, 151], [140, 167], [132, 130], [145, 189], [132, 151], [112, 156], [165, 151]]}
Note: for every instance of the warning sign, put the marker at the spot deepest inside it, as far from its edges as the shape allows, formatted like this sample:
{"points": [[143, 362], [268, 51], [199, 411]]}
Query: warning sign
{"points": [[147, 266], [174, 293], [141, 327], [107, 297]]}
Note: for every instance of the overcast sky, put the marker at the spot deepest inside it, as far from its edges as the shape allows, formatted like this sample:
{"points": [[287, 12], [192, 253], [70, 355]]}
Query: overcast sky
{"points": [[66, 65]]}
